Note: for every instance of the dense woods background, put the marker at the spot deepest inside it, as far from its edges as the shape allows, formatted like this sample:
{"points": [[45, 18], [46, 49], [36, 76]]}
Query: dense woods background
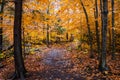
{"points": [[86, 29]]}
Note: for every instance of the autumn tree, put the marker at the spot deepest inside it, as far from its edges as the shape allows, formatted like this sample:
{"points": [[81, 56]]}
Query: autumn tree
{"points": [[89, 31], [18, 58], [97, 26], [102, 63]]}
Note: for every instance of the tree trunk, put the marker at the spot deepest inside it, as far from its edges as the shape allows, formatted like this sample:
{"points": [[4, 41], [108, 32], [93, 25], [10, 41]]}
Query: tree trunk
{"points": [[18, 58], [113, 31], [1, 21], [97, 26], [1, 31], [48, 33], [48, 36], [109, 31], [89, 31], [67, 37], [101, 9], [102, 63], [23, 35]]}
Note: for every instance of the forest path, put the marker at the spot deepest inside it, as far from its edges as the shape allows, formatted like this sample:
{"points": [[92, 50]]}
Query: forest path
{"points": [[55, 64], [60, 62], [56, 57]]}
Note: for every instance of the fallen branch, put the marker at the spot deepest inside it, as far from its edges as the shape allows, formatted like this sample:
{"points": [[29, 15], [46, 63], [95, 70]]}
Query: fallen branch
{"points": [[10, 47]]}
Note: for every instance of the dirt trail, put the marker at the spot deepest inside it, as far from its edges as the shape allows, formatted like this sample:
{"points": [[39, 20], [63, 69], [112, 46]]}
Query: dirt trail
{"points": [[60, 62], [56, 57]]}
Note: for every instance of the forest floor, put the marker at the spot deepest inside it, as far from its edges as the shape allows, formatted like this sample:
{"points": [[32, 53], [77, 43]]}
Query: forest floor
{"points": [[62, 62]]}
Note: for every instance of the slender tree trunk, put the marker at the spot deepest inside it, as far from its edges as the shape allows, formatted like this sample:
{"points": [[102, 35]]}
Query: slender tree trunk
{"points": [[101, 9], [113, 31], [109, 31], [89, 31], [48, 36], [1, 28], [1, 38], [23, 34], [102, 63], [18, 58], [48, 33], [67, 36], [97, 26], [1, 21], [1, 31]]}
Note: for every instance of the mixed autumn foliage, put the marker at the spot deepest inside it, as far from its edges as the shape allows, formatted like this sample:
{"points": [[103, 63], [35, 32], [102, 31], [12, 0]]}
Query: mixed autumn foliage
{"points": [[60, 39]]}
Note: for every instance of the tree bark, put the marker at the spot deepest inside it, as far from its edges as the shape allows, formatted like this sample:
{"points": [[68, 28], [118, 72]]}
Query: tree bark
{"points": [[102, 63], [48, 33], [18, 58], [89, 31], [1, 37], [48, 36], [113, 31], [97, 26], [1, 21], [1, 29], [101, 9], [67, 37], [109, 31], [23, 40]]}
